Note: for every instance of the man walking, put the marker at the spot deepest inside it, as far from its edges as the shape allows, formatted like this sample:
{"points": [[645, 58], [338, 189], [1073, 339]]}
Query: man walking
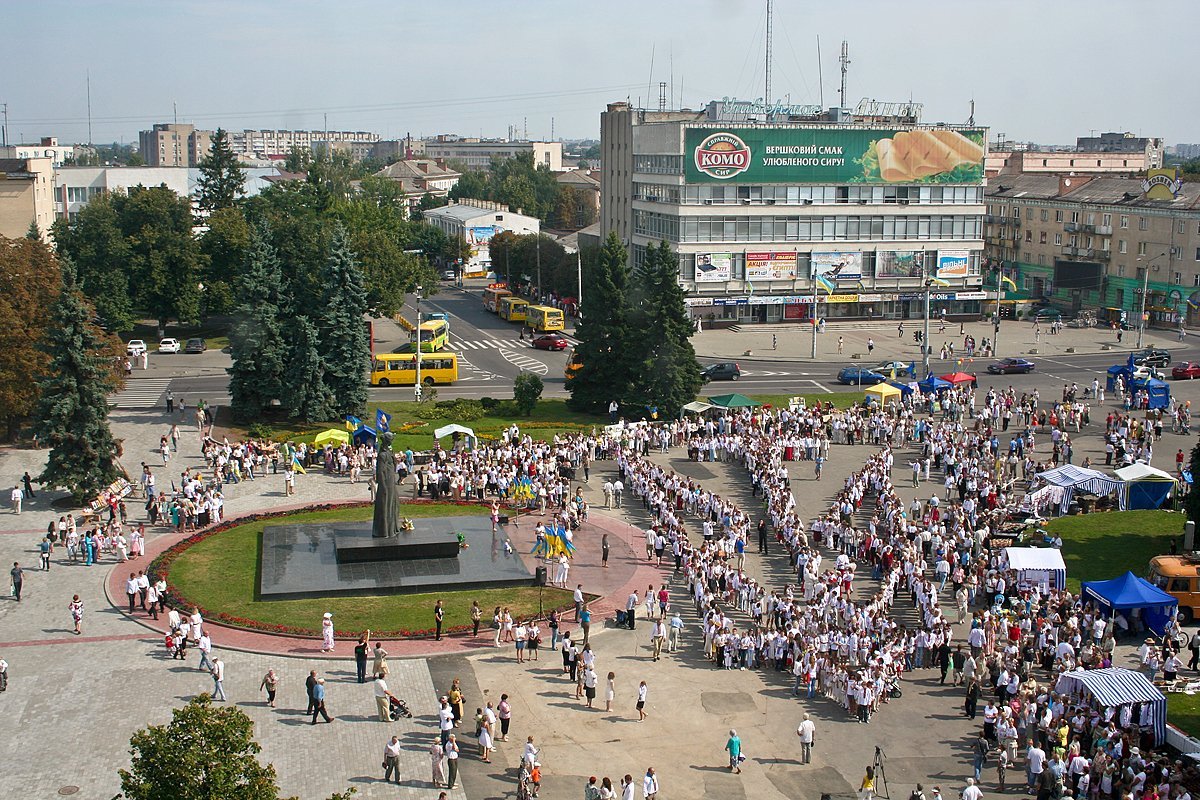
{"points": [[28, 481], [382, 695], [658, 634], [578, 600], [391, 760], [310, 683], [131, 591], [205, 648], [318, 700], [806, 732], [631, 608], [18, 578], [218, 676], [17, 495]]}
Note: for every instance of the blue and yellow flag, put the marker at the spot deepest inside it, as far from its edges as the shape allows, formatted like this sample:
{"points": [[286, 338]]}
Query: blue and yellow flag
{"points": [[382, 421], [352, 423]]}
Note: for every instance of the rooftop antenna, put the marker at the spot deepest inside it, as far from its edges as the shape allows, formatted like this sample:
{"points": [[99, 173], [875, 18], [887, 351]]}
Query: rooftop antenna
{"points": [[650, 77], [4, 130], [767, 88], [525, 128], [845, 61], [672, 74], [820, 75], [662, 95], [175, 111], [971, 119], [552, 129], [89, 105]]}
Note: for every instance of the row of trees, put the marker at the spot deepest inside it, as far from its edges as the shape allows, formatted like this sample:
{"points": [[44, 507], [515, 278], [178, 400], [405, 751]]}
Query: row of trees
{"points": [[516, 259], [144, 252], [527, 188], [634, 336]]}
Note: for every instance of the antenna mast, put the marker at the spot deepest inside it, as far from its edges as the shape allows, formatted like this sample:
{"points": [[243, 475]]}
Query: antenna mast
{"points": [[767, 95], [820, 75], [845, 61], [89, 104]]}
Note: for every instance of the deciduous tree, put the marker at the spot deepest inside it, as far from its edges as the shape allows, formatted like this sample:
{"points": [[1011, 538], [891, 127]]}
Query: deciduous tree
{"points": [[94, 242], [30, 279]]}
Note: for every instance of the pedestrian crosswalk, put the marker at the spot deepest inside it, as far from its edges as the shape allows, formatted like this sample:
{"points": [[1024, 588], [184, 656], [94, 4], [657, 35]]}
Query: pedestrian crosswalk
{"points": [[495, 344], [524, 362], [141, 393]]}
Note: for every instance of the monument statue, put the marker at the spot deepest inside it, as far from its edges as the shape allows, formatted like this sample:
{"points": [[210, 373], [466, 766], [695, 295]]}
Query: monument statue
{"points": [[387, 511]]}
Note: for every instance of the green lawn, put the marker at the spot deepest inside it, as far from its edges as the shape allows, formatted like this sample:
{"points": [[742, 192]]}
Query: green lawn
{"points": [[1099, 546], [220, 574], [1183, 711]]}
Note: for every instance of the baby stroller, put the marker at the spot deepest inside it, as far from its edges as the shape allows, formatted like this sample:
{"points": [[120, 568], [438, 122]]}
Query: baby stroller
{"points": [[397, 708]]}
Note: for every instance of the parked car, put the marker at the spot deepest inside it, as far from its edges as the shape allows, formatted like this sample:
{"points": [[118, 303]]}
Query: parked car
{"points": [[168, 346], [195, 346], [860, 376], [1153, 356], [1186, 371], [551, 341], [1011, 366], [135, 347], [724, 371], [449, 275], [903, 369], [1144, 372], [1047, 314]]}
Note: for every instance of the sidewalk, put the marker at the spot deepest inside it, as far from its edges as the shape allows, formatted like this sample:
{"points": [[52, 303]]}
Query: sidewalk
{"points": [[1017, 338]]}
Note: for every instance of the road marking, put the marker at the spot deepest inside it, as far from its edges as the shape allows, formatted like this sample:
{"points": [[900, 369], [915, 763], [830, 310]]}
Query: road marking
{"points": [[524, 362], [821, 386], [480, 374], [141, 393]]}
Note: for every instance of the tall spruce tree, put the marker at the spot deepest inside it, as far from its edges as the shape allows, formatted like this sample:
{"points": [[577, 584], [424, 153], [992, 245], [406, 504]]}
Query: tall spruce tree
{"points": [[603, 371], [666, 375], [222, 179], [256, 340], [341, 328], [72, 412], [307, 395]]}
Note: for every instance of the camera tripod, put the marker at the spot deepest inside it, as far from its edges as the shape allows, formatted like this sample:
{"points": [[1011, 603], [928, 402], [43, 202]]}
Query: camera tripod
{"points": [[881, 789]]}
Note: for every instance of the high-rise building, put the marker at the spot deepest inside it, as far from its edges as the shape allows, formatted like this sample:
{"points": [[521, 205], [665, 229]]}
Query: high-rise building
{"points": [[774, 208], [477, 154], [170, 144], [26, 195]]}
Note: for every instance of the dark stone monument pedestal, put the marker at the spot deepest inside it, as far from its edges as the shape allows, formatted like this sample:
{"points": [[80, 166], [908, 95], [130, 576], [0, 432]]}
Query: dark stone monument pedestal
{"points": [[354, 544]]}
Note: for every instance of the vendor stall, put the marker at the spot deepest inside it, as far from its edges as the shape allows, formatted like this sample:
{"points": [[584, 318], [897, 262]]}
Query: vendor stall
{"points": [[1146, 486], [957, 378], [1072, 480], [1129, 596], [1040, 567], [882, 393], [1133, 699], [932, 383]]}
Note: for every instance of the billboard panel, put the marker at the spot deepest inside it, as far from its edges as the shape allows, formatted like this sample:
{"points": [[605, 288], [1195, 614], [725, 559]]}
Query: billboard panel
{"points": [[833, 156], [836, 267], [714, 267], [770, 266], [899, 263], [952, 263]]}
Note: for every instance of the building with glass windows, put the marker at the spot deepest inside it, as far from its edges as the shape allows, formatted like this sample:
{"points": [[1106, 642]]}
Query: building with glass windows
{"points": [[771, 207]]}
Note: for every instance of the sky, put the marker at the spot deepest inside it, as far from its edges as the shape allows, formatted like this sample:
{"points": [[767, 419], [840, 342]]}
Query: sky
{"points": [[1037, 71]]}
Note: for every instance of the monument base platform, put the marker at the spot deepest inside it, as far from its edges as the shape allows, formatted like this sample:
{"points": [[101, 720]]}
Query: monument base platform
{"points": [[356, 543], [303, 561]]}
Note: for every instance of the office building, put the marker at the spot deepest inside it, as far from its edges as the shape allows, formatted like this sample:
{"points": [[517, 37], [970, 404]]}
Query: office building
{"points": [[478, 153], [75, 187], [771, 207], [278, 143], [1084, 242], [174, 145], [26, 195], [476, 222], [48, 147]]}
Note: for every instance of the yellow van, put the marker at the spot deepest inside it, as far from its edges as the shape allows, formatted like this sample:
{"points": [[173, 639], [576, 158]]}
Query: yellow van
{"points": [[1177, 576]]}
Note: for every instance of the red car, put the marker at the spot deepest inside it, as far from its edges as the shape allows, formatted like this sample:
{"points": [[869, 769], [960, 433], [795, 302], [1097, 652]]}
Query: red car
{"points": [[1186, 370], [550, 341]]}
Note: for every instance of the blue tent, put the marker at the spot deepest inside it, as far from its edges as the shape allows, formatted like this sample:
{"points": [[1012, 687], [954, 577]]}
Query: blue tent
{"points": [[1145, 486], [905, 389], [1128, 592], [933, 383], [1160, 392], [364, 435]]}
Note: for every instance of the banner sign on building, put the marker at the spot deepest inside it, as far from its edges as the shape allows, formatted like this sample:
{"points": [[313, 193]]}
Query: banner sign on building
{"points": [[770, 266], [836, 267], [1162, 184], [714, 267], [834, 155], [899, 264], [952, 263]]}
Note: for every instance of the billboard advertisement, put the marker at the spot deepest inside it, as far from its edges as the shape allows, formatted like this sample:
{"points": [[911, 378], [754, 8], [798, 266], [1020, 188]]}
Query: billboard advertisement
{"points": [[952, 263], [834, 267], [714, 267], [770, 266], [834, 156], [899, 264]]}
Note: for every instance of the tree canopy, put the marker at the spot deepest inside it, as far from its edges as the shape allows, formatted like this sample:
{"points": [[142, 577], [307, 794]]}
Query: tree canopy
{"points": [[604, 370], [222, 179], [30, 280]]}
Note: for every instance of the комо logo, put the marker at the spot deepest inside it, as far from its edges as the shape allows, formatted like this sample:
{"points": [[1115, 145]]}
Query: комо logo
{"points": [[722, 155]]}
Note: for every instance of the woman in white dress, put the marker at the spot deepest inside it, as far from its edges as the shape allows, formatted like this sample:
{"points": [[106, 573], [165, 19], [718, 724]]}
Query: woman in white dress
{"points": [[610, 691], [436, 754], [327, 632], [485, 740]]}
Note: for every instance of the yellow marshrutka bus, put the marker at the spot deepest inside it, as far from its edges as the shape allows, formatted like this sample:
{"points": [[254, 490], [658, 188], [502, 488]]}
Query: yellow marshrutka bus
{"points": [[513, 309], [492, 297], [400, 369], [544, 318], [434, 334]]}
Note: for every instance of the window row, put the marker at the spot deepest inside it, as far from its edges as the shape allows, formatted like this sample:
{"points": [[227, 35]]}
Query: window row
{"points": [[802, 229], [734, 194]]}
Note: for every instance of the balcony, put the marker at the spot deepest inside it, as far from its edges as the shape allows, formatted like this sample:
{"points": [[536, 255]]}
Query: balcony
{"points": [[1071, 227], [1104, 230]]}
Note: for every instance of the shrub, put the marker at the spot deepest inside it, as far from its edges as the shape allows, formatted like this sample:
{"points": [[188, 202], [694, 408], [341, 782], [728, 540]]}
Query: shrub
{"points": [[260, 430], [489, 404]]}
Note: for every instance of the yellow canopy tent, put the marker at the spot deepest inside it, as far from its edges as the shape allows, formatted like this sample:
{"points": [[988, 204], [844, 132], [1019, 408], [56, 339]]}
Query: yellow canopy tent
{"points": [[333, 435], [882, 392]]}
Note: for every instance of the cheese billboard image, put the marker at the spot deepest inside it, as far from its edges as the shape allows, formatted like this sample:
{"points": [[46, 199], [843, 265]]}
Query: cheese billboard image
{"points": [[910, 156]]}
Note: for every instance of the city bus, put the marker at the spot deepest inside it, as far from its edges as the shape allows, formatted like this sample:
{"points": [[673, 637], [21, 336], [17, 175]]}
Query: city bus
{"points": [[544, 318], [434, 335], [573, 364], [513, 308], [492, 296], [400, 369]]}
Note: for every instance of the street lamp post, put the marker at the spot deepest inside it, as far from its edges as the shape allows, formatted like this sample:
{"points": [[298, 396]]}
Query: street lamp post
{"points": [[1146, 291], [417, 385], [925, 331], [539, 265], [996, 325]]}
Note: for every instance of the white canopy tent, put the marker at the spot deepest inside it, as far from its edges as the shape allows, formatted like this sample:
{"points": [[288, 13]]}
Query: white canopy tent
{"points": [[697, 407], [446, 430], [1038, 566]]}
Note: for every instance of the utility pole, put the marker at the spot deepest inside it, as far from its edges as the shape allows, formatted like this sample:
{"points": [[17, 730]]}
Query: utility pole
{"points": [[417, 385], [539, 265], [925, 333], [813, 354], [4, 130], [996, 326], [89, 105]]}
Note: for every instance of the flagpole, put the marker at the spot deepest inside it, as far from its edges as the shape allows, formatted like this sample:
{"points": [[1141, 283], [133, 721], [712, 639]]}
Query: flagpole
{"points": [[814, 313], [417, 385]]}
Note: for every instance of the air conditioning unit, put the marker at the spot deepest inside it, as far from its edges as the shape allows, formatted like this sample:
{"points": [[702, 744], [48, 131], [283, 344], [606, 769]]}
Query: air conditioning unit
{"points": [[708, 202]]}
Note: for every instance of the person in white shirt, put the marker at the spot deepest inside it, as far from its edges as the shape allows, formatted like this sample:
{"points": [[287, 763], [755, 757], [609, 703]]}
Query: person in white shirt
{"points": [[382, 695], [806, 732], [205, 647], [391, 759], [650, 785], [972, 791], [218, 675], [658, 634]]}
